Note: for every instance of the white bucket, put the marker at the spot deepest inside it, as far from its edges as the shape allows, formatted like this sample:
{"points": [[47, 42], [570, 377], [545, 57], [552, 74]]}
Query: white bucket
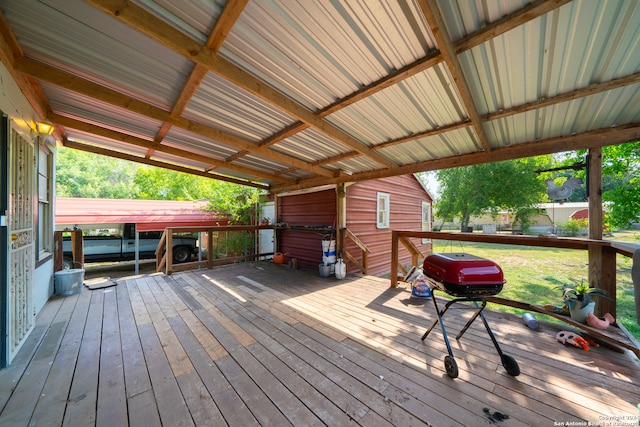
{"points": [[68, 282], [328, 251]]}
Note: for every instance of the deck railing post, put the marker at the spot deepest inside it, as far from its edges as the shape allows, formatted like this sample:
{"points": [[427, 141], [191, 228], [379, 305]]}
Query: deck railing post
{"points": [[394, 259]]}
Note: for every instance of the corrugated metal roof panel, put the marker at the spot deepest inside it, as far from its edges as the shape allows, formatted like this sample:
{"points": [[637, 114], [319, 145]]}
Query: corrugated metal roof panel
{"points": [[417, 104], [310, 145], [154, 214], [185, 140], [324, 51], [98, 141], [77, 106], [110, 53], [193, 17], [260, 163], [575, 47], [355, 165], [224, 106], [452, 143], [568, 118]]}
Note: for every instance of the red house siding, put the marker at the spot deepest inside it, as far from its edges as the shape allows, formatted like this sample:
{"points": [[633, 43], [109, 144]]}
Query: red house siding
{"points": [[406, 197], [319, 209], [311, 209]]}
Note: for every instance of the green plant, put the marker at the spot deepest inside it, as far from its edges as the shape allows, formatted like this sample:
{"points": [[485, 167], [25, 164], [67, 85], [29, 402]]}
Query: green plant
{"points": [[582, 293], [574, 227]]}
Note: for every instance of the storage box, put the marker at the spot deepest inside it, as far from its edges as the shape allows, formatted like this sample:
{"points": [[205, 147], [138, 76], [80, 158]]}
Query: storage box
{"points": [[464, 275]]}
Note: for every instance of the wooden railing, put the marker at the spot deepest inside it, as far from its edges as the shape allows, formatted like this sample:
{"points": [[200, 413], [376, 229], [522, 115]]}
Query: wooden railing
{"points": [[360, 262], [164, 255], [602, 269], [604, 250]]}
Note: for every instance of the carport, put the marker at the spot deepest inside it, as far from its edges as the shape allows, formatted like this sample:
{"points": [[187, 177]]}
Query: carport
{"points": [[147, 215]]}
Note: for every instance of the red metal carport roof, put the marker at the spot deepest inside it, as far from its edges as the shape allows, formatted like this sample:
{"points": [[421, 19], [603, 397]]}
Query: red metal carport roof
{"points": [[147, 214]]}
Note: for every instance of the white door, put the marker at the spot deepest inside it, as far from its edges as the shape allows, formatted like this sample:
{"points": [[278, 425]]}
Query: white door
{"points": [[267, 237]]}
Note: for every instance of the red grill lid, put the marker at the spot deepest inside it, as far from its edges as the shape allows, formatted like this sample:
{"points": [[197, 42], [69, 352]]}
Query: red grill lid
{"points": [[462, 269]]}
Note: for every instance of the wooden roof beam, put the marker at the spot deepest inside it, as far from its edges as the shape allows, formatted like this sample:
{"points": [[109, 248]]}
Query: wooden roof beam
{"points": [[77, 84], [155, 146], [590, 139], [434, 18], [229, 16], [159, 164], [138, 18]]}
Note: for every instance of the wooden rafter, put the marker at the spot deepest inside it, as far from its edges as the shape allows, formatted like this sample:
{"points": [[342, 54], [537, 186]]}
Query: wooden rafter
{"points": [[159, 164], [155, 146], [93, 90], [590, 139], [229, 16], [165, 34], [434, 18]]}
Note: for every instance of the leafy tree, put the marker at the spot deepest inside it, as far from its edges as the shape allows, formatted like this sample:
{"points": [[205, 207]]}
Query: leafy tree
{"points": [[488, 188], [620, 182], [82, 174]]}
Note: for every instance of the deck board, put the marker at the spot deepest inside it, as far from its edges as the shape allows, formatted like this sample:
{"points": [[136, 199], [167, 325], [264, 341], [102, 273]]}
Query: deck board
{"points": [[263, 344]]}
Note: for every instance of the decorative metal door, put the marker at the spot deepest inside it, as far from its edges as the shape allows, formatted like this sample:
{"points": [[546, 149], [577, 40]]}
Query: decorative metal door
{"points": [[21, 242]]}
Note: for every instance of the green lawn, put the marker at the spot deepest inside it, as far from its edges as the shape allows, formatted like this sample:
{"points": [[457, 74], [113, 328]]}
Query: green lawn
{"points": [[536, 275]]}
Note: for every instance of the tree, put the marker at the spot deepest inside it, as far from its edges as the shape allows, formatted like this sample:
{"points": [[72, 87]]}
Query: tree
{"points": [[620, 181], [82, 174], [488, 188]]}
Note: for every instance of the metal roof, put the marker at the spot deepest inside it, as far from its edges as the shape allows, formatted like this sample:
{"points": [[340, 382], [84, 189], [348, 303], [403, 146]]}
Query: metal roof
{"points": [[287, 94], [146, 214]]}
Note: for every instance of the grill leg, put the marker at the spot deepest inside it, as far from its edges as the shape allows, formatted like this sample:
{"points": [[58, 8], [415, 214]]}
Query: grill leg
{"points": [[473, 318], [439, 320], [490, 332]]}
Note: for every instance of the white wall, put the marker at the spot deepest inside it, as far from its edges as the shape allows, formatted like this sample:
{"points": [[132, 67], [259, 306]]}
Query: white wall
{"points": [[14, 104]]}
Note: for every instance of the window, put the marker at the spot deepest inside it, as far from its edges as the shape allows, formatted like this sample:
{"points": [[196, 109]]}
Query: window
{"points": [[426, 219], [383, 210], [45, 191]]}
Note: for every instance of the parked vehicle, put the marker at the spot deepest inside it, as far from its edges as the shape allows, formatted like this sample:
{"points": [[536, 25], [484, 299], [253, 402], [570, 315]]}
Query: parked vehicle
{"points": [[118, 244]]}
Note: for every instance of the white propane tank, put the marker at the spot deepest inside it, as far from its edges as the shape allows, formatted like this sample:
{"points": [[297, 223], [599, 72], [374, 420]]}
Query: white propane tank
{"points": [[341, 269]]}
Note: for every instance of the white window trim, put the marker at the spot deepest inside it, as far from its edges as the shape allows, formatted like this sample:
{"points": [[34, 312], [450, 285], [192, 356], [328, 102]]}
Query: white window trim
{"points": [[426, 224], [383, 209]]}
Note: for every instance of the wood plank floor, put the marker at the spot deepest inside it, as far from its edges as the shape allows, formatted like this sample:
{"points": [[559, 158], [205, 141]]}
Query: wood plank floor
{"points": [[262, 344]]}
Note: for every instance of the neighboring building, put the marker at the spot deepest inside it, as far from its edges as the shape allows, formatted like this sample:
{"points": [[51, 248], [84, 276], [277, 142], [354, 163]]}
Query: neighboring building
{"points": [[371, 210], [550, 215]]}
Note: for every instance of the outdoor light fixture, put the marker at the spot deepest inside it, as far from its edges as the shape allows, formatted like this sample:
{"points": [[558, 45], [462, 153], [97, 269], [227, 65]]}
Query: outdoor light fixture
{"points": [[44, 127]]}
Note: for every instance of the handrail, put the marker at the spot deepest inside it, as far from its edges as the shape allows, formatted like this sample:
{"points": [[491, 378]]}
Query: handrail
{"points": [[365, 251], [607, 255], [604, 250], [164, 251]]}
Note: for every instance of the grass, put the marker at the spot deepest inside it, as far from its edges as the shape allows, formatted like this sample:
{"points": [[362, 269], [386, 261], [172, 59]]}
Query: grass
{"points": [[536, 275]]}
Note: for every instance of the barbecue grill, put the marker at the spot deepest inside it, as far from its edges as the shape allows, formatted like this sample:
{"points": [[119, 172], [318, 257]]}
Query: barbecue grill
{"points": [[468, 278]]}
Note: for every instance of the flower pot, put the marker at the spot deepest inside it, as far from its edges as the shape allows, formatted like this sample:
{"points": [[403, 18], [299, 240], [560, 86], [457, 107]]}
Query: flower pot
{"points": [[579, 312]]}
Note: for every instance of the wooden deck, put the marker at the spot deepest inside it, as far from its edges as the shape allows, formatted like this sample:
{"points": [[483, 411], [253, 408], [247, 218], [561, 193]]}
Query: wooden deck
{"points": [[262, 344]]}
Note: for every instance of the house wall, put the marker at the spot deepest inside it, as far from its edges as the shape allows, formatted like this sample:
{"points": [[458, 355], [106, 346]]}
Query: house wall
{"points": [[309, 210], [407, 195], [21, 115]]}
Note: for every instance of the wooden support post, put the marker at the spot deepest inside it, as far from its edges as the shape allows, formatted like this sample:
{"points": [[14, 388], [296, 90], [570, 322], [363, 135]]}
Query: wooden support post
{"points": [[58, 257], [341, 216], [597, 275], [77, 249], [210, 248], [394, 259]]}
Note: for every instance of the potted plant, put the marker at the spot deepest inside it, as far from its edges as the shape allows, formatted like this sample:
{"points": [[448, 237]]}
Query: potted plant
{"points": [[578, 300]]}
